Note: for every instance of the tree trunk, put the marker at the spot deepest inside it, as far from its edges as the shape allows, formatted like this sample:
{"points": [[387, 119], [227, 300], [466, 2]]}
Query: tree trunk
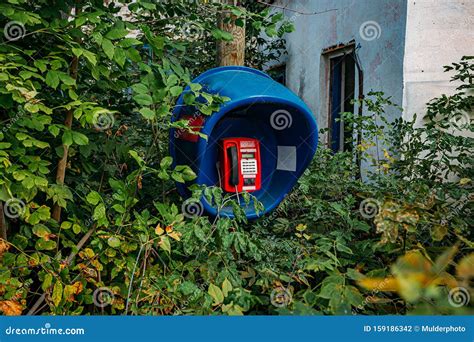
{"points": [[3, 223], [62, 164], [232, 52]]}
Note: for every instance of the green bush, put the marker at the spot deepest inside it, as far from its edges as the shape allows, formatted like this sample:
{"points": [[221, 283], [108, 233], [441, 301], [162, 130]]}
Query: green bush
{"points": [[111, 236]]}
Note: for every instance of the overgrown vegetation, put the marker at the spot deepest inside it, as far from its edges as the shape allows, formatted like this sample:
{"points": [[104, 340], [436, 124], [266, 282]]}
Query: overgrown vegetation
{"points": [[95, 224]]}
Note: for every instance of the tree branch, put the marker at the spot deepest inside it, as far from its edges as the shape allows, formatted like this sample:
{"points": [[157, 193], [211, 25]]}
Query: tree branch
{"points": [[69, 259], [62, 164], [3, 223]]}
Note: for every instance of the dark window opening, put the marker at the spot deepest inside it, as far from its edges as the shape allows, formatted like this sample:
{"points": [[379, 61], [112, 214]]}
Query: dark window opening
{"points": [[341, 93]]}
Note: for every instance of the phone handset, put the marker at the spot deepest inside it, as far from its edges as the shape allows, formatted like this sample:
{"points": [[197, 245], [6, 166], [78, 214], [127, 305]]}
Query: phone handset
{"points": [[234, 165]]}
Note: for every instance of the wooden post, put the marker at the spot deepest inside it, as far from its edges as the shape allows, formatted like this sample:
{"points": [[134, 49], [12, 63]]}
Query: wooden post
{"points": [[232, 52]]}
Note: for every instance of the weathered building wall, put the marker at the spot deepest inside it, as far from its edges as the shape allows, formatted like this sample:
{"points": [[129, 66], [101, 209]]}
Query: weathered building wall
{"points": [[378, 28], [438, 33]]}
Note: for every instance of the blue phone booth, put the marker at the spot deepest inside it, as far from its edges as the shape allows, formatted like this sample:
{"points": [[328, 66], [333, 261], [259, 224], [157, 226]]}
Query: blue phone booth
{"points": [[269, 132]]}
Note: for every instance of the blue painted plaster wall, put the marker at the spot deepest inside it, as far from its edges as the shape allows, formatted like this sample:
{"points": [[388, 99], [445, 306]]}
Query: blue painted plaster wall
{"points": [[381, 58]]}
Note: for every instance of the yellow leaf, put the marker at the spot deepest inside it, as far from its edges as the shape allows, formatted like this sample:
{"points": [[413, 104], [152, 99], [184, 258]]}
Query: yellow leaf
{"points": [[464, 181], [216, 293], [301, 227], [57, 293], [465, 268], [71, 290], [226, 287], [439, 232], [159, 230], [169, 229], [4, 246], [175, 235], [87, 253], [380, 284], [11, 308]]}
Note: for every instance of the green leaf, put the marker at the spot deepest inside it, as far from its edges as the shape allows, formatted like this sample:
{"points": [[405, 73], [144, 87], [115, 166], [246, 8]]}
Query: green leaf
{"points": [[216, 294], [147, 113], [222, 35], [66, 225], [90, 56], [172, 80], [166, 162], [99, 213], [21, 136], [54, 130], [128, 42], [165, 243], [80, 138], [140, 88], [176, 90], [67, 137], [133, 55], [77, 51], [143, 99], [76, 228], [72, 94], [177, 177], [43, 213], [108, 48], [271, 31], [41, 230], [47, 281], [57, 293], [120, 57], [137, 158], [52, 79], [116, 33], [66, 79], [114, 242], [353, 296], [119, 208], [93, 198], [195, 86], [45, 245], [40, 64]]}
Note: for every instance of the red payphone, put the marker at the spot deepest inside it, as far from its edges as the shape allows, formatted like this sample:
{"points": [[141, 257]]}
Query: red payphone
{"points": [[240, 165]]}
